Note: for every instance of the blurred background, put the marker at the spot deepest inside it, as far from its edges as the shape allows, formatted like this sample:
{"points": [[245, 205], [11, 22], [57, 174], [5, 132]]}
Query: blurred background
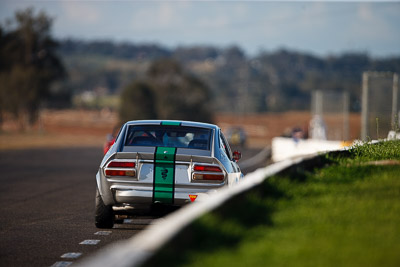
{"points": [[72, 71]]}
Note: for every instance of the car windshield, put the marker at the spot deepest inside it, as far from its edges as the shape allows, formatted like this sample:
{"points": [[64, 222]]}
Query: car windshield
{"points": [[168, 136]]}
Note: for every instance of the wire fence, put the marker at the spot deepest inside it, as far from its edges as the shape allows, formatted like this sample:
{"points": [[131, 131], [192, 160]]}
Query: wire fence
{"points": [[330, 115], [380, 104]]}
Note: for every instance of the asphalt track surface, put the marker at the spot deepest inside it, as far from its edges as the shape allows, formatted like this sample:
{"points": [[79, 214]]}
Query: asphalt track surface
{"points": [[47, 205]]}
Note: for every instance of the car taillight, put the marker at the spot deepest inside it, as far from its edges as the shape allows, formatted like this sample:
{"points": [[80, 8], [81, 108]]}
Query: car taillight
{"points": [[120, 173], [205, 168], [121, 164], [121, 168], [208, 172]]}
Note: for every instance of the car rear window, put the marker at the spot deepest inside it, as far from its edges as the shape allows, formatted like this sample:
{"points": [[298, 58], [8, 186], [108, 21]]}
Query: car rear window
{"points": [[168, 136]]}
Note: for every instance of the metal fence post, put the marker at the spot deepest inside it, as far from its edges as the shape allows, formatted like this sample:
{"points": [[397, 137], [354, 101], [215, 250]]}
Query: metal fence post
{"points": [[395, 101], [364, 106]]}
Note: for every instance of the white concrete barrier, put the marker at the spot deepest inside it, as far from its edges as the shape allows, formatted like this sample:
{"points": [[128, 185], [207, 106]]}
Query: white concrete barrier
{"points": [[286, 148], [140, 247]]}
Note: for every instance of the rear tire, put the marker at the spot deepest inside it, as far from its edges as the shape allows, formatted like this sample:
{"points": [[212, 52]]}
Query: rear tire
{"points": [[104, 215]]}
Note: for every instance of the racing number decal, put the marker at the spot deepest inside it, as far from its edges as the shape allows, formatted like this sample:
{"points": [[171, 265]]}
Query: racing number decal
{"points": [[164, 175]]}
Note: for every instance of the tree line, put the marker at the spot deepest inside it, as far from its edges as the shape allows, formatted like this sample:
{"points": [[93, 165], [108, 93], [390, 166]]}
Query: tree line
{"points": [[270, 81]]}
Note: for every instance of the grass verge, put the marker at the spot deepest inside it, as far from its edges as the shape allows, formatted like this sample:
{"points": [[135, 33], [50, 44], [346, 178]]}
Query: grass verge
{"points": [[346, 214]]}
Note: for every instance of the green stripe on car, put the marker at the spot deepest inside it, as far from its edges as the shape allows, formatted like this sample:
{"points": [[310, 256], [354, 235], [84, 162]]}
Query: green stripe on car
{"points": [[171, 123], [164, 175]]}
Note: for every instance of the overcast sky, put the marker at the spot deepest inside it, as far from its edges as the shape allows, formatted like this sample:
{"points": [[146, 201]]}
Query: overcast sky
{"points": [[321, 28]]}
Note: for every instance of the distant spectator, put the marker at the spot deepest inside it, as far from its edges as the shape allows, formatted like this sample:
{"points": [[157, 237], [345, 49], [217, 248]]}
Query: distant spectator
{"points": [[297, 134]]}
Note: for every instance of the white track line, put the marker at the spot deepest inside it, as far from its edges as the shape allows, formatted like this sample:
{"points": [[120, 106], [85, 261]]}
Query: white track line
{"points": [[103, 233], [62, 264], [71, 255], [91, 242]]}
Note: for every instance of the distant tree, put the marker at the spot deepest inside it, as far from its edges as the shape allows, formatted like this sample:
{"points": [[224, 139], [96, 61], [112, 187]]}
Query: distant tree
{"points": [[166, 93], [180, 95], [29, 64], [137, 102]]}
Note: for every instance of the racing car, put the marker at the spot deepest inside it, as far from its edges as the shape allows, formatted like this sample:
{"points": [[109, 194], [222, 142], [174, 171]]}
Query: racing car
{"points": [[167, 163]]}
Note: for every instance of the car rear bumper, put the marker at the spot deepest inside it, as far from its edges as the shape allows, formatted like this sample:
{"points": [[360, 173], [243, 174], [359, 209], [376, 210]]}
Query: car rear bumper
{"points": [[143, 197]]}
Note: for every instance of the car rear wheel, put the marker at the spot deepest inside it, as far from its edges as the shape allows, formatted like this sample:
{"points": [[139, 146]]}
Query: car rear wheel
{"points": [[104, 215]]}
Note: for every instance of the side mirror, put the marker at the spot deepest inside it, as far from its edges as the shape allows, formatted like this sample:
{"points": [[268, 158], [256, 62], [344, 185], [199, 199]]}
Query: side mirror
{"points": [[237, 156]]}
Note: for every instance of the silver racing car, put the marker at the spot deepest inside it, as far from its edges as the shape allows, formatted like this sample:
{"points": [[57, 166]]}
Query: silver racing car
{"points": [[162, 163]]}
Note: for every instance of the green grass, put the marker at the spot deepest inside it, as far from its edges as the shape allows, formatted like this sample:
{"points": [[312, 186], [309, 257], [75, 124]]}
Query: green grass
{"points": [[346, 214], [379, 151]]}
